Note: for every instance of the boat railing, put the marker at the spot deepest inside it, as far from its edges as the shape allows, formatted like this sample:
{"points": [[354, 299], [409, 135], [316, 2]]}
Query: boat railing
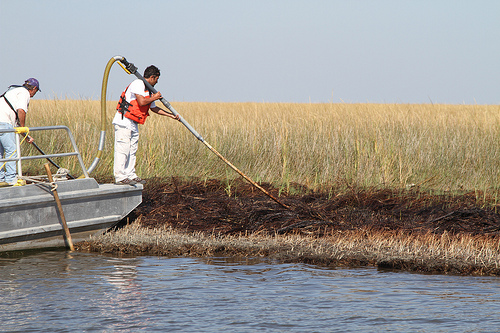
{"points": [[20, 130]]}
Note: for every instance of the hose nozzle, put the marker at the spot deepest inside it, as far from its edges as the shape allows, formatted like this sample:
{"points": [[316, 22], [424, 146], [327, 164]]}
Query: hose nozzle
{"points": [[127, 66]]}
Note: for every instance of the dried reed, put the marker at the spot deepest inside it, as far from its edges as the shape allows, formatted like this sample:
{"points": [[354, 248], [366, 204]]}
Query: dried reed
{"points": [[456, 254]]}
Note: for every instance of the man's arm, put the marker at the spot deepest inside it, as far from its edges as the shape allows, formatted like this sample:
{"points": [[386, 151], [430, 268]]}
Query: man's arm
{"points": [[141, 100], [21, 114], [162, 112]]}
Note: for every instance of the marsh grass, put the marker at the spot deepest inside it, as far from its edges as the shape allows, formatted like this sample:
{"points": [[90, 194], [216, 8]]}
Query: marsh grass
{"points": [[445, 253], [435, 147]]}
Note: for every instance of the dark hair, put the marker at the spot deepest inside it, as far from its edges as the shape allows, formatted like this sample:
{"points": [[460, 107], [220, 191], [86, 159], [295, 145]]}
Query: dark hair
{"points": [[150, 71], [28, 86]]}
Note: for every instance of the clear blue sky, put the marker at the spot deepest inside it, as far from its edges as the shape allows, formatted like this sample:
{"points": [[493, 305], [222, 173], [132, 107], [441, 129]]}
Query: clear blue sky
{"points": [[380, 51]]}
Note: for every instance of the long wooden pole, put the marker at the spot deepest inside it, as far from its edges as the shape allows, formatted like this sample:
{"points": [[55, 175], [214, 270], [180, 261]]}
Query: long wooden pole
{"points": [[59, 207]]}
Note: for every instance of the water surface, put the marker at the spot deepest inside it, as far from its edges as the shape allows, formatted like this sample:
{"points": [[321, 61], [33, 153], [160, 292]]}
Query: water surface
{"points": [[61, 292]]}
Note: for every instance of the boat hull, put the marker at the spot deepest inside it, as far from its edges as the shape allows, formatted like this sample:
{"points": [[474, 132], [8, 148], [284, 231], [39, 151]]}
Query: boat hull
{"points": [[29, 218]]}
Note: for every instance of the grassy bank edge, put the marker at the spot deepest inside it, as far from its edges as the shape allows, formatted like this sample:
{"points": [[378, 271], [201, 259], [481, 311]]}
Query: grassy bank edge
{"points": [[429, 253]]}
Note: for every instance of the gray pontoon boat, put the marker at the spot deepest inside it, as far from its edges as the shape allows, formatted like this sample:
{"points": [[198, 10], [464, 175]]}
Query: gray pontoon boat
{"points": [[29, 216]]}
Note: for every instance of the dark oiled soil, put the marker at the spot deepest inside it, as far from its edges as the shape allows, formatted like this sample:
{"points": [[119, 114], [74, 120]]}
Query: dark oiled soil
{"points": [[207, 206]]}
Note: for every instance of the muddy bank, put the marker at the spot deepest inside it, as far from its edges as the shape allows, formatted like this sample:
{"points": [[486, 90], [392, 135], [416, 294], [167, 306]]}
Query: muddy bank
{"points": [[407, 230], [209, 208]]}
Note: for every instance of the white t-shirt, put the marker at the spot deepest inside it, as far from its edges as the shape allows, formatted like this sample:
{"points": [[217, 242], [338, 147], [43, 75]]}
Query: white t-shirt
{"points": [[137, 87], [19, 98]]}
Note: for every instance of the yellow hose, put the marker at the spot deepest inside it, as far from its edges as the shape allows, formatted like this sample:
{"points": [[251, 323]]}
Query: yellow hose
{"points": [[103, 110], [104, 91]]}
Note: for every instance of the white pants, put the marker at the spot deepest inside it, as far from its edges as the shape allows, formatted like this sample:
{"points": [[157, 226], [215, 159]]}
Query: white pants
{"points": [[126, 142]]}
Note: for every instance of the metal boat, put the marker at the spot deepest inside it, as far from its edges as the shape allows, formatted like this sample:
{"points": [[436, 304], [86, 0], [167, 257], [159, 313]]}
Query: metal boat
{"points": [[29, 215]]}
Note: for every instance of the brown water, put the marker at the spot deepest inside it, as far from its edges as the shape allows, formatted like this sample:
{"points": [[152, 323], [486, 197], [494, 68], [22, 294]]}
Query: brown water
{"points": [[61, 292]]}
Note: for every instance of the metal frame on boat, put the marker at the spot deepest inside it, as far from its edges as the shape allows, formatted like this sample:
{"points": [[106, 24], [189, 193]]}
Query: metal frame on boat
{"points": [[29, 216]]}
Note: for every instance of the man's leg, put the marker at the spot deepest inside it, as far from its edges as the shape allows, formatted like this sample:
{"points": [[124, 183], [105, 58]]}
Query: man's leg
{"points": [[130, 166], [122, 152], [8, 143]]}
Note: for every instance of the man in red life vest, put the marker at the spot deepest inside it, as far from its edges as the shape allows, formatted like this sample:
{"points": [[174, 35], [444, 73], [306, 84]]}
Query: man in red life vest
{"points": [[133, 109]]}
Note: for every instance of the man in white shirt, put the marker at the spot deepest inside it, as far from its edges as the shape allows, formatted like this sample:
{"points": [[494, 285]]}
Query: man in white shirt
{"points": [[133, 109], [13, 109]]}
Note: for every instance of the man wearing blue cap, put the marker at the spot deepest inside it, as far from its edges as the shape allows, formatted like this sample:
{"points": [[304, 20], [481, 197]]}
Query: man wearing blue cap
{"points": [[13, 108]]}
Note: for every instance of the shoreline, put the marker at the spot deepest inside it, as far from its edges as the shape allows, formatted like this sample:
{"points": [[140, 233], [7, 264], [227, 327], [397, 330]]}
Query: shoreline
{"points": [[388, 229], [430, 254]]}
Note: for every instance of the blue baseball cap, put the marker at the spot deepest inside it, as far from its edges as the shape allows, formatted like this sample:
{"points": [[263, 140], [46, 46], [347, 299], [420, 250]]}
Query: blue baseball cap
{"points": [[33, 82]]}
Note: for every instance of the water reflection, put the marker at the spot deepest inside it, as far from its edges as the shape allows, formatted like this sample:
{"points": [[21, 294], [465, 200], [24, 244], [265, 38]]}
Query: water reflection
{"points": [[56, 292], [124, 299]]}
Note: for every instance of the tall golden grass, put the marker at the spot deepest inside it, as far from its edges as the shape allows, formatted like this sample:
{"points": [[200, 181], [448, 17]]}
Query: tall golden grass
{"points": [[437, 147]]}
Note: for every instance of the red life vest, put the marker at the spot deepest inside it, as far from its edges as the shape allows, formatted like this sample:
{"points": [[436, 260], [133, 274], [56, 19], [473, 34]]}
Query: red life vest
{"points": [[133, 110]]}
